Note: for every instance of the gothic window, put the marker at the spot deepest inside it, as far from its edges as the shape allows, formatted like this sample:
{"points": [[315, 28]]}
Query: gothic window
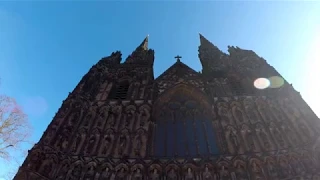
{"points": [[120, 91], [183, 129]]}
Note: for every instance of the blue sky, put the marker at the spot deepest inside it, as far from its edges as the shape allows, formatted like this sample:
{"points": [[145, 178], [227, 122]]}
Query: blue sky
{"points": [[46, 47]]}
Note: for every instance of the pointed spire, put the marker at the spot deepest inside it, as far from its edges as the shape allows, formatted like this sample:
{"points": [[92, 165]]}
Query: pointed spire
{"points": [[144, 44], [205, 42], [142, 55]]}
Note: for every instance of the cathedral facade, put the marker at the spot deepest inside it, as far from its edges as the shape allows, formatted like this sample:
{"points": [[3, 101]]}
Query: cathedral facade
{"points": [[121, 123]]}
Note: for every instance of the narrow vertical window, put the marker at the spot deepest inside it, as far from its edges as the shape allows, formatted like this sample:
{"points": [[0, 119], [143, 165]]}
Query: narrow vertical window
{"points": [[120, 91]]}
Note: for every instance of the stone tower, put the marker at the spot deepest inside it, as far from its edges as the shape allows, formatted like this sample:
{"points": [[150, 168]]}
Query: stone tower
{"points": [[121, 123]]}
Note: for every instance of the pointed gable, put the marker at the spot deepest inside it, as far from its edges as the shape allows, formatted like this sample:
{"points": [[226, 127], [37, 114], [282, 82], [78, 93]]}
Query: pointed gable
{"points": [[178, 72]]}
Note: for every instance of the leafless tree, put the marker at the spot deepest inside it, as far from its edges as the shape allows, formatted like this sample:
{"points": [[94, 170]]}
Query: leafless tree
{"points": [[14, 127]]}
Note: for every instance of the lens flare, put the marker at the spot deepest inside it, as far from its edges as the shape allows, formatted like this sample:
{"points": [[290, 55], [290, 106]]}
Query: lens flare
{"points": [[261, 83], [276, 82]]}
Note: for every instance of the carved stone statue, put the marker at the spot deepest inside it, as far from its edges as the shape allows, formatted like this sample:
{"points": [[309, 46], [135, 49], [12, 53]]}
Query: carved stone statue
{"points": [[256, 170], [240, 172], [172, 175], [265, 140], [105, 174], [77, 170], [90, 145], [107, 144], [272, 172], [144, 116], [207, 174], [121, 174], [76, 143], [234, 138], [47, 169], [138, 175], [155, 175], [90, 173], [122, 144], [189, 174], [138, 144], [224, 174], [250, 141]]}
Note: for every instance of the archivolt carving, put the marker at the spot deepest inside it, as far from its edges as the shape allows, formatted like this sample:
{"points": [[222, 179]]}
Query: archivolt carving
{"points": [[90, 171], [129, 118], [277, 135]]}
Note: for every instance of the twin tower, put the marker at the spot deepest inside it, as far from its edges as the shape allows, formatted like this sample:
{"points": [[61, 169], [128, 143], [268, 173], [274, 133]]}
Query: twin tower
{"points": [[121, 123]]}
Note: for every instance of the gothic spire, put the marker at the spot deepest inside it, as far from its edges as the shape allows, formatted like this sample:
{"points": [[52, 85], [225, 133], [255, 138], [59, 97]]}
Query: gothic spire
{"points": [[142, 55], [211, 57]]}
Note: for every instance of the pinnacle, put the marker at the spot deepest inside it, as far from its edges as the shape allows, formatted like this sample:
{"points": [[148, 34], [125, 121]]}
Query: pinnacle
{"points": [[144, 44]]}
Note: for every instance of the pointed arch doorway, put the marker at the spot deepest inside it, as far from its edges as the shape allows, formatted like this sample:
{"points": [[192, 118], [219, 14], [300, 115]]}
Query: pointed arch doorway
{"points": [[183, 124]]}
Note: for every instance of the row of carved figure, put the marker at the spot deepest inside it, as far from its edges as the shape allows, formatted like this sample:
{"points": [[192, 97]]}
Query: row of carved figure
{"points": [[282, 166], [79, 121], [261, 125]]}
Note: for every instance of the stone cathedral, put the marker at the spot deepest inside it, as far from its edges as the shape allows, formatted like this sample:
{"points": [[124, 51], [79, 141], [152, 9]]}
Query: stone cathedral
{"points": [[121, 123]]}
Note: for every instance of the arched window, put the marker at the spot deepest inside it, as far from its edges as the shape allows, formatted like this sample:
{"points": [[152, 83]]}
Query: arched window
{"points": [[183, 128], [120, 91]]}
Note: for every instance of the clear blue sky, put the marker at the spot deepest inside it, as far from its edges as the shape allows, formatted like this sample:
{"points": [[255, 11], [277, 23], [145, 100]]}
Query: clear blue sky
{"points": [[46, 47]]}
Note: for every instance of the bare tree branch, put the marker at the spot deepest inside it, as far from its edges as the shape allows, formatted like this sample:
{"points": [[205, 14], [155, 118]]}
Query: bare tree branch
{"points": [[14, 127]]}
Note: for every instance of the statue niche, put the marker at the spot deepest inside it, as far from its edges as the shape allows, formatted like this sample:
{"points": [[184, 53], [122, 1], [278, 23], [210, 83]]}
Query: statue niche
{"points": [[264, 137], [226, 117], [240, 170], [92, 142], [137, 172], [233, 140], [123, 144], [90, 171], [102, 116], [122, 173], [47, 168], [271, 168], [144, 116], [238, 113], [256, 170], [251, 111], [63, 171], [129, 118], [106, 146], [250, 139], [76, 171], [189, 174], [139, 143]]}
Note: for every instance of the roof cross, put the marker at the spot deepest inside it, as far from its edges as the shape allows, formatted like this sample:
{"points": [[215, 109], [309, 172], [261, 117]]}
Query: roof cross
{"points": [[178, 58]]}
